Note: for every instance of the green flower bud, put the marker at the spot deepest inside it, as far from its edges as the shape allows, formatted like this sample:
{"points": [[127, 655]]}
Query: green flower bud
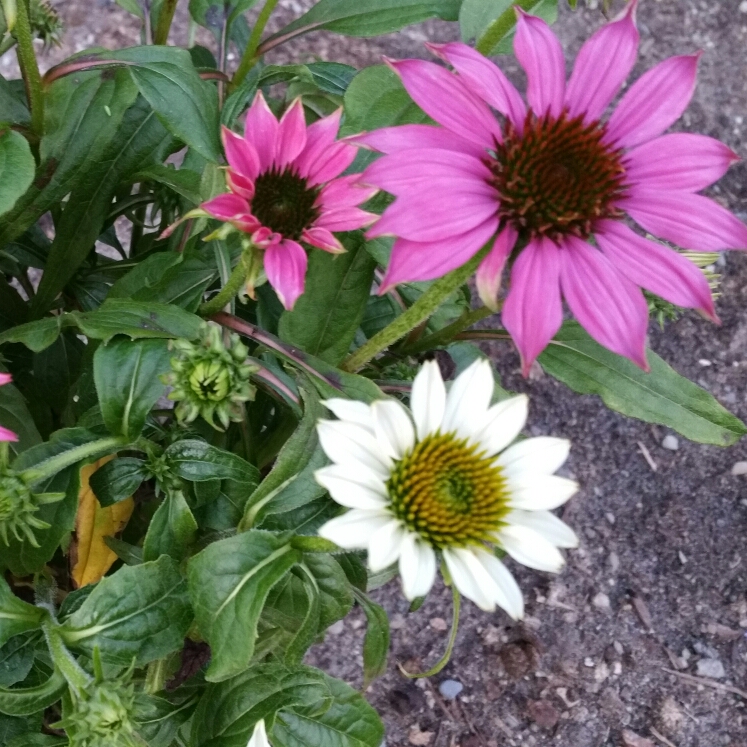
{"points": [[45, 23], [18, 504], [210, 378]]}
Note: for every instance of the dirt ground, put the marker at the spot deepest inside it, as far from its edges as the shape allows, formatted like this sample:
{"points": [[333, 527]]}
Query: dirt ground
{"points": [[643, 636]]}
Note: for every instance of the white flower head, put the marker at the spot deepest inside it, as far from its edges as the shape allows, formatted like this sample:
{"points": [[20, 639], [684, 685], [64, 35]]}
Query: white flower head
{"points": [[259, 736], [445, 479]]}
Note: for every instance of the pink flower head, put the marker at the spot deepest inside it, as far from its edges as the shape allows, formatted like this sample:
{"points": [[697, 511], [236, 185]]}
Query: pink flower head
{"points": [[548, 178], [286, 188], [5, 434]]}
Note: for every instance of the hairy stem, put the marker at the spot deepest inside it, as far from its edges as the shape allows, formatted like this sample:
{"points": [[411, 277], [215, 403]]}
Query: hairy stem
{"points": [[449, 333], [29, 67], [250, 57], [228, 292]]}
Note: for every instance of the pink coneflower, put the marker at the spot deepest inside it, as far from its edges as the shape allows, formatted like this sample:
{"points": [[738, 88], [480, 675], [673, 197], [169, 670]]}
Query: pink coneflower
{"points": [[286, 188], [5, 434], [547, 179]]}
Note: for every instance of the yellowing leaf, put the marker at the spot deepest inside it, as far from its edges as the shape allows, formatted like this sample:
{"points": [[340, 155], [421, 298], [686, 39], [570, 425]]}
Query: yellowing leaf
{"points": [[90, 556]]}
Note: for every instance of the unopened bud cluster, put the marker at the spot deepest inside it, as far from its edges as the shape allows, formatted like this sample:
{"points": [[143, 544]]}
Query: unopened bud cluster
{"points": [[18, 506]]}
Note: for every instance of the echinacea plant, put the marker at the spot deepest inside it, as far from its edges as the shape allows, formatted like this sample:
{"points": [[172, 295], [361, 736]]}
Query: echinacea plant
{"points": [[243, 384]]}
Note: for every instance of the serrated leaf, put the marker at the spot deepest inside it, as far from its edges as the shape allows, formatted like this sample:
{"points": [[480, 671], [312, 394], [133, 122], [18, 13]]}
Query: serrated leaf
{"points": [[661, 396], [17, 168]]}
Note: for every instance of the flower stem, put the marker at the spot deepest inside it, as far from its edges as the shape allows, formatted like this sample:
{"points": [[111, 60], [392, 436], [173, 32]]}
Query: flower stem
{"points": [[163, 25], [63, 661], [449, 333], [29, 67], [233, 285], [421, 310], [250, 57]]}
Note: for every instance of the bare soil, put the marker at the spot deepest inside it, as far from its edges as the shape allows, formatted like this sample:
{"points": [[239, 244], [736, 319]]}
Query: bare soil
{"points": [[659, 584]]}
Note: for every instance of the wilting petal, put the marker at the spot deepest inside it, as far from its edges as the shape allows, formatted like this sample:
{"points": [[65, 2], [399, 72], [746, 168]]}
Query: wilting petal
{"points": [[319, 137], [261, 130], [503, 423], [324, 239], [241, 154], [291, 135], [540, 54], [468, 399], [608, 306], [385, 545], [414, 260], [490, 271], [6, 435], [690, 221], [533, 312], [352, 530], [602, 65], [542, 455], [347, 191], [226, 206], [393, 427], [655, 267], [681, 161], [330, 163], [485, 79], [345, 219], [548, 525], [285, 265], [654, 102], [530, 548], [417, 566], [441, 95], [540, 492], [405, 137], [428, 399]]}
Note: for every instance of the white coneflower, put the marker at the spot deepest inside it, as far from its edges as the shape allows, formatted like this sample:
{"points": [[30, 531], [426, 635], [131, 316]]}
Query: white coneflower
{"points": [[446, 484]]}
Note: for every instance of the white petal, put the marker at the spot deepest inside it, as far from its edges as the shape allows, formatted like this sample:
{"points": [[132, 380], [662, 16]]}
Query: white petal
{"points": [[469, 399], [530, 548], [358, 474], [353, 530], [350, 493], [385, 544], [259, 737], [503, 423], [417, 566], [542, 455], [462, 564], [428, 399], [350, 410], [393, 427], [507, 592], [350, 444], [548, 525], [539, 492]]}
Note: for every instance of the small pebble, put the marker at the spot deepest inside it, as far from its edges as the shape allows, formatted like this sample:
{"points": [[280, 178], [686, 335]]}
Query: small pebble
{"points": [[617, 668], [589, 662], [743, 6], [601, 601], [671, 442], [619, 648], [450, 689], [397, 621], [610, 517], [705, 362], [682, 557], [336, 628], [438, 623], [712, 668], [740, 468]]}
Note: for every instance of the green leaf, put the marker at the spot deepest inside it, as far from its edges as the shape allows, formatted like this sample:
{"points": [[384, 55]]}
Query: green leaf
{"points": [[127, 374], [17, 658], [13, 107], [37, 740], [140, 612], [661, 396], [23, 701], [228, 583], [172, 529], [371, 18], [117, 479], [326, 317], [159, 717], [14, 414], [348, 722], [184, 182], [16, 616], [332, 77], [145, 274], [36, 335], [228, 711], [198, 461], [17, 168], [335, 593], [376, 642]]}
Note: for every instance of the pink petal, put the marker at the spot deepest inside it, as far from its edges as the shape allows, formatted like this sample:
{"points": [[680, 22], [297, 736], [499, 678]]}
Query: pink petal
{"points": [[413, 261], [485, 79], [226, 206], [608, 306], [285, 265], [291, 136], [241, 155], [239, 184], [319, 137], [345, 219], [688, 220], [681, 162], [322, 238], [533, 311], [261, 131], [435, 216], [442, 96], [347, 191], [404, 137], [602, 66], [331, 163], [6, 435], [539, 52], [490, 271], [654, 102], [655, 267], [5, 378]]}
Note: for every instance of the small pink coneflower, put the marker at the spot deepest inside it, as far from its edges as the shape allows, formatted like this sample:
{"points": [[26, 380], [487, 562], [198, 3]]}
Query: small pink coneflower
{"points": [[550, 183], [286, 189], [5, 434]]}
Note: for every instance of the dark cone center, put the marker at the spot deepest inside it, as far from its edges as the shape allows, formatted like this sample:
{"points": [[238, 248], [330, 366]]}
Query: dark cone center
{"points": [[284, 202]]}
